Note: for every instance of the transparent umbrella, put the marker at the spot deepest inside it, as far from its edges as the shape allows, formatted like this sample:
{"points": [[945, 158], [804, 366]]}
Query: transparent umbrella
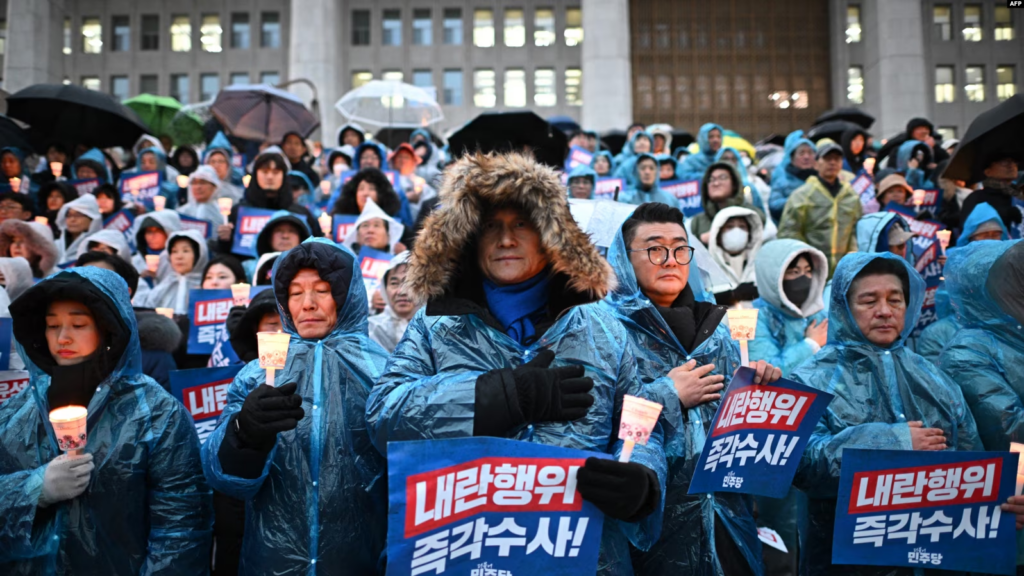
{"points": [[186, 127], [389, 103]]}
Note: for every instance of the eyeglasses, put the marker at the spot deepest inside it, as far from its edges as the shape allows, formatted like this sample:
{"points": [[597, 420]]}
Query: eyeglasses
{"points": [[4, 208], [719, 179], [658, 255]]}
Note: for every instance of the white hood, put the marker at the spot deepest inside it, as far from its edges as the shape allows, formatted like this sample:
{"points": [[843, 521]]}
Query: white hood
{"points": [[371, 211], [740, 268]]}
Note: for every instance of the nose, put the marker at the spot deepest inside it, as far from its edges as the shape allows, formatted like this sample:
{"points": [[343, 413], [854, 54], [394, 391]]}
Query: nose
{"points": [[507, 238], [308, 302], [884, 310], [63, 337]]}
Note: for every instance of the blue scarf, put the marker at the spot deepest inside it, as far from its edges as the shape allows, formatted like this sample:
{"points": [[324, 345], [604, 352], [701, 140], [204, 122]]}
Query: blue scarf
{"points": [[518, 306]]}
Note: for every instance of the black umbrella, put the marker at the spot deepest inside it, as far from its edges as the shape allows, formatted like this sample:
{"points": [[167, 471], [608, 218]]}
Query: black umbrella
{"points": [[511, 131], [75, 114], [832, 129], [12, 135], [854, 115], [263, 113], [614, 140], [682, 138], [993, 135], [392, 137], [565, 124]]}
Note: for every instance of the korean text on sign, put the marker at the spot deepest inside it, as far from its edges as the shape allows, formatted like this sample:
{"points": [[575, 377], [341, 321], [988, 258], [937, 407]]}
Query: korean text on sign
{"points": [[247, 228], [470, 506], [758, 432], [204, 393], [208, 314], [913, 508]]}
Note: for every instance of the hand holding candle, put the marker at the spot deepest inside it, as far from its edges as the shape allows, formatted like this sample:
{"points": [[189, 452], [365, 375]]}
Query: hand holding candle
{"points": [[56, 168], [325, 224], [943, 236], [225, 207], [15, 184], [152, 262], [273, 352], [919, 196]]}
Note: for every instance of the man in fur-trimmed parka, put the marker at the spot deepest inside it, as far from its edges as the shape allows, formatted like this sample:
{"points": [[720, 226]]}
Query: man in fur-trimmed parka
{"points": [[510, 343]]}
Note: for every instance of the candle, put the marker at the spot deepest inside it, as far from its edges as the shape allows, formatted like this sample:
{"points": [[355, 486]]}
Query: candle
{"points": [[1018, 448], [225, 208], [134, 186], [943, 236], [325, 223], [273, 352], [743, 327], [182, 181], [152, 262], [159, 203], [919, 197], [42, 220], [246, 179], [168, 312], [69, 426], [16, 184], [638, 419], [240, 294], [56, 168], [869, 165], [325, 187]]}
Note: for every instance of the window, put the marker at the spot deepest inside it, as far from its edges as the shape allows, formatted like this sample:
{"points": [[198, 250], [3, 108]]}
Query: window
{"points": [[119, 87], [360, 78], [972, 23], [67, 35], [452, 88], [515, 88], [392, 28], [422, 78], [239, 79], [240, 38], [422, 27], [181, 34], [91, 82], [209, 85], [360, 27], [515, 28], [121, 42], [573, 27], [942, 24], [855, 84], [544, 87], [1004, 24], [544, 27], [92, 36], [453, 27], [944, 88], [149, 84], [210, 33], [393, 76], [270, 30], [179, 87], [270, 78], [1006, 82], [483, 88], [574, 86], [975, 86], [483, 29], [946, 132], [150, 32], [852, 24]]}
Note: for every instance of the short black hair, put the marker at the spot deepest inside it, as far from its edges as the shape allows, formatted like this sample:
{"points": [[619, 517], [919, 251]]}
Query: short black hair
{"points": [[121, 268], [884, 267], [806, 257], [387, 198], [24, 200], [231, 263], [650, 213]]}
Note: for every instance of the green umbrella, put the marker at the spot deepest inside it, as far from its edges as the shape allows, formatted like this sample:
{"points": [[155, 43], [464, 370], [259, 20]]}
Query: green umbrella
{"points": [[156, 112], [186, 128]]}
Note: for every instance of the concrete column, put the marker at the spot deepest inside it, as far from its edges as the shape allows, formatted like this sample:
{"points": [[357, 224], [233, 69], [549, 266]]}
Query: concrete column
{"points": [[35, 43], [897, 68], [607, 70], [315, 52]]}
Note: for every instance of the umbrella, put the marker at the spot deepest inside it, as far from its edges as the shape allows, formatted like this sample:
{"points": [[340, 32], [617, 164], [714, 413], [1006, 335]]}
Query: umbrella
{"points": [[854, 115], [186, 128], [565, 124], [392, 137], [13, 136], [74, 114], [614, 140], [261, 112], [511, 131], [832, 130], [682, 138], [389, 103], [993, 134], [731, 139], [156, 112]]}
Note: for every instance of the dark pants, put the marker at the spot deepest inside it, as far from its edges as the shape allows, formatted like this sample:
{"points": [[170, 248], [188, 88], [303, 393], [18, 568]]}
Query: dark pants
{"points": [[228, 530]]}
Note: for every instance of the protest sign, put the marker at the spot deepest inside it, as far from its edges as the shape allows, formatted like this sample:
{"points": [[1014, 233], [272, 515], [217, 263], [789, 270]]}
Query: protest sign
{"points": [[864, 186], [207, 314], [489, 505], [688, 194], [6, 339], [924, 251], [85, 186], [204, 227], [122, 221], [926, 509], [12, 382], [372, 264], [759, 433], [141, 188], [343, 224], [606, 188], [204, 392], [248, 226], [932, 202], [577, 157]]}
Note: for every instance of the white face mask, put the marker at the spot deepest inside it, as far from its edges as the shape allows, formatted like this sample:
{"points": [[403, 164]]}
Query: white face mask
{"points": [[735, 239]]}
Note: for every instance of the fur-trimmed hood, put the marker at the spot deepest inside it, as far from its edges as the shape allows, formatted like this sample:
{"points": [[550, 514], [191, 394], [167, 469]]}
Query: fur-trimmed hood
{"points": [[43, 250], [472, 184]]}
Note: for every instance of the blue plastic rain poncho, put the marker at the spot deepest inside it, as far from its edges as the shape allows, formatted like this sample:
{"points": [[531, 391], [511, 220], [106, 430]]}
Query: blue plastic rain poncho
{"points": [[86, 205], [873, 231], [93, 158], [607, 156], [231, 185], [936, 335], [982, 214], [169, 187], [147, 509], [27, 185], [635, 194], [785, 177], [693, 167], [916, 177], [751, 188], [173, 288], [320, 504], [583, 171], [688, 541], [209, 210], [877, 391], [428, 390], [622, 167], [298, 179]]}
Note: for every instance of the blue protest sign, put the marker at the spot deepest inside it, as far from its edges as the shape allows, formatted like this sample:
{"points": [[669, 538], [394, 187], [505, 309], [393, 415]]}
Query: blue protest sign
{"points": [[85, 186], [606, 188], [758, 434], [489, 506], [372, 264], [204, 392], [926, 509], [141, 187], [248, 226], [864, 186], [343, 224], [207, 313], [931, 203], [223, 352], [924, 251], [12, 382], [577, 157], [204, 227], [122, 221], [6, 336], [688, 194]]}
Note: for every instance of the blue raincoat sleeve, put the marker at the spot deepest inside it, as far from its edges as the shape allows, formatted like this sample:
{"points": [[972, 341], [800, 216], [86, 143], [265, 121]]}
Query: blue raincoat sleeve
{"points": [[786, 356], [19, 501]]}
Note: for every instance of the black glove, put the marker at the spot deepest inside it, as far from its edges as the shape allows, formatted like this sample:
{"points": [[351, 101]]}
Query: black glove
{"points": [[235, 316], [625, 491], [532, 393], [267, 411]]}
